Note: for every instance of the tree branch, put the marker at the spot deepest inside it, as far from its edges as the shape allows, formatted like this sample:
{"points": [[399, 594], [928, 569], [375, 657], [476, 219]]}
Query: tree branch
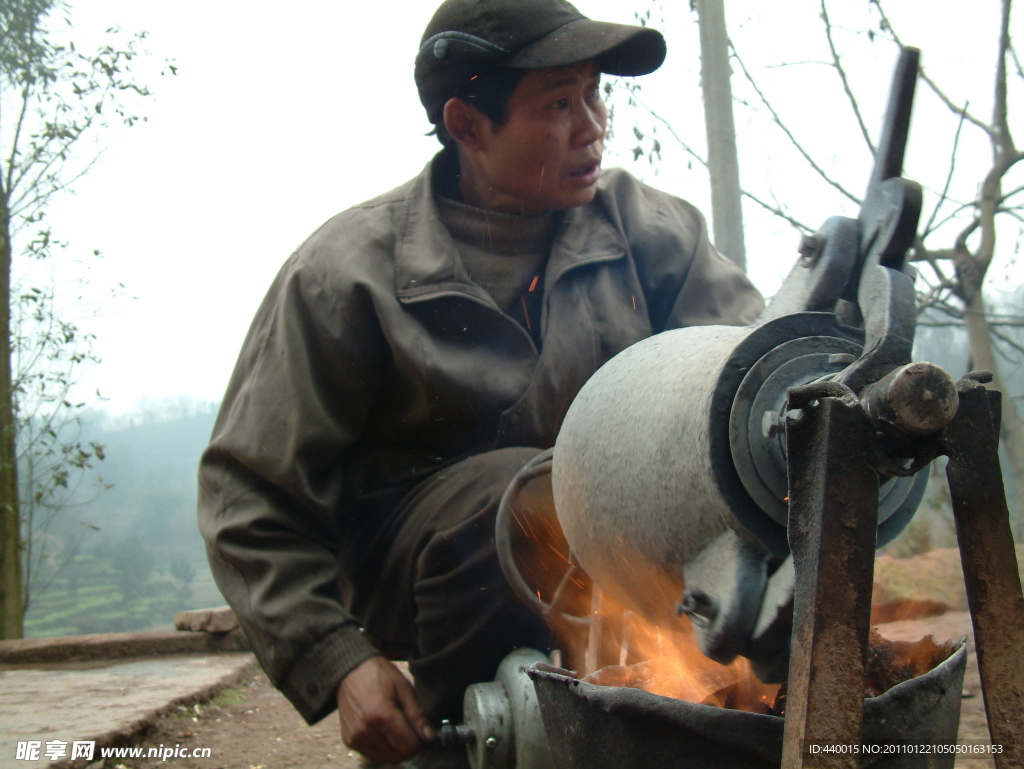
{"points": [[947, 324], [949, 177], [1016, 61], [776, 210], [1007, 340], [1011, 212], [1002, 138], [785, 129], [19, 124], [886, 25], [837, 64], [1011, 193], [953, 107], [953, 214], [921, 254]]}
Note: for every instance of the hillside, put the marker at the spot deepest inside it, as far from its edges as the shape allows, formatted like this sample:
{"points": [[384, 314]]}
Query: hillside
{"points": [[129, 556]]}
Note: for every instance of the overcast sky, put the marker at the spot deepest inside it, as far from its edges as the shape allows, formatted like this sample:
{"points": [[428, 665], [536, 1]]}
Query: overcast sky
{"points": [[276, 121]]}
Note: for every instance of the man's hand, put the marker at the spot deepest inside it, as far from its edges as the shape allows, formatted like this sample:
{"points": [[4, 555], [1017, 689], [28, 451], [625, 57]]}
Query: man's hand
{"points": [[380, 716]]}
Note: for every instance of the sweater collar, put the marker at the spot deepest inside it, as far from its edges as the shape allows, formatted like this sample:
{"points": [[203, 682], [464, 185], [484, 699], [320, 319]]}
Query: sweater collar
{"points": [[427, 260], [498, 233]]}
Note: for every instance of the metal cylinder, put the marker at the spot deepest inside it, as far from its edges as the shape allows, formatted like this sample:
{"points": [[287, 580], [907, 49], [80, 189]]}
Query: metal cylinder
{"points": [[504, 718], [666, 469], [633, 485]]}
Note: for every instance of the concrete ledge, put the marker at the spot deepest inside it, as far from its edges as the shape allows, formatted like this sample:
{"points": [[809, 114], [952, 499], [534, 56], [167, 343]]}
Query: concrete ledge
{"points": [[106, 646], [128, 733], [112, 704]]}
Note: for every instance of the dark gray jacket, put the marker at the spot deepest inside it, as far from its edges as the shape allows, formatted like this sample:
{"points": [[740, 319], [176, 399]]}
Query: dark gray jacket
{"points": [[374, 361]]}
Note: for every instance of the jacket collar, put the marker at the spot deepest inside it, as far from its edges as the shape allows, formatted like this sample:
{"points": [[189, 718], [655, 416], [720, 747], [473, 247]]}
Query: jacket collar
{"points": [[427, 260]]}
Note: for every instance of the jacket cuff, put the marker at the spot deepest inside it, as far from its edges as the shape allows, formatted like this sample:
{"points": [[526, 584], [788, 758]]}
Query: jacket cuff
{"points": [[312, 683]]}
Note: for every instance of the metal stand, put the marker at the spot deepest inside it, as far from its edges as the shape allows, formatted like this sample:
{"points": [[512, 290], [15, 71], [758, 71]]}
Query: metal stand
{"points": [[834, 449], [989, 563], [833, 513]]}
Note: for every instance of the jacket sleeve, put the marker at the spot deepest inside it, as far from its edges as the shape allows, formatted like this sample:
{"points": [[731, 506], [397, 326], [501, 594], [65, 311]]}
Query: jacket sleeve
{"points": [[687, 282], [714, 290], [270, 484]]}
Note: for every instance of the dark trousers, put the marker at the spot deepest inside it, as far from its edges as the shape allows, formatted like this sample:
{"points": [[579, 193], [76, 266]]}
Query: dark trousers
{"points": [[438, 597]]}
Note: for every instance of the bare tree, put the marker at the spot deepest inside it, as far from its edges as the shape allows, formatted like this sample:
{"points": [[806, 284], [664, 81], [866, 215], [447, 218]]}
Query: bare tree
{"points": [[53, 99], [957, 292]]}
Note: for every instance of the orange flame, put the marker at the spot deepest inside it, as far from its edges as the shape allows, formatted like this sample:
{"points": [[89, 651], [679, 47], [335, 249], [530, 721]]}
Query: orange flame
{"points": [[610, 645], [618, 646], [668, 662]]}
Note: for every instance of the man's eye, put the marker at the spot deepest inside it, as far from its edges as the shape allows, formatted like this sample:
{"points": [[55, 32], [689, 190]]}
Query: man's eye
{"points": [[561, 104]]}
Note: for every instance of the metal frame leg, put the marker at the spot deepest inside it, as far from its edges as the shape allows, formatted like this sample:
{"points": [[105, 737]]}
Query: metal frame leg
{"points": [[990, 564], [833, 513]]}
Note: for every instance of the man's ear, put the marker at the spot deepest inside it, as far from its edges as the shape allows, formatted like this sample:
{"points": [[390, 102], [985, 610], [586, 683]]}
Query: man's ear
{"points": [[464, 123]]}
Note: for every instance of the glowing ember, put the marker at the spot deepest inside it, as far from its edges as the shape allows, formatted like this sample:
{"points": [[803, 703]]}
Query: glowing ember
{"points": [[719, 685], [893, 662], [734, 686]]}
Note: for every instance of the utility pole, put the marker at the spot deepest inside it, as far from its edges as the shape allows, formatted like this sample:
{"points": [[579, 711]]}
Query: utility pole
{"points": [[723, 163]]}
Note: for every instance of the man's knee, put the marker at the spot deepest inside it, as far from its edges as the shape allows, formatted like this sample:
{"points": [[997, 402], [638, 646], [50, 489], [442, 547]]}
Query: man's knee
{"points": [[464, 490], [441, 556]]}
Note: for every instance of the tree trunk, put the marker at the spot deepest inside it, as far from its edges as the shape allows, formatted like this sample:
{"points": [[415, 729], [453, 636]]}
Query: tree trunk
{"points": [[1011, 429], [723, 163], [11, 611]]}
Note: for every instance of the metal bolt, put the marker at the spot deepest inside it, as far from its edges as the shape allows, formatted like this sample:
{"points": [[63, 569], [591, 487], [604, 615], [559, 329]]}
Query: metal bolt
{"points": [[700, 607], [810, 247], [450, 736], [491, 743], [771, 424]]}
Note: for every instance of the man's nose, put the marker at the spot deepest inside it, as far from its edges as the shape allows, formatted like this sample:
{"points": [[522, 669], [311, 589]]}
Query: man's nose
{"points": [[591, 124]]}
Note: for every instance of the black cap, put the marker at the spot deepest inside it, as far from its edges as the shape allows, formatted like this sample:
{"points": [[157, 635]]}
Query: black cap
{"points": [[467, 36]]}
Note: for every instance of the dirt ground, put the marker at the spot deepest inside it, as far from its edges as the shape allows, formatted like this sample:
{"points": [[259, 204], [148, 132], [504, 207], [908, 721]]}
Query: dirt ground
{"points": [[252, 726], [248, 726]]}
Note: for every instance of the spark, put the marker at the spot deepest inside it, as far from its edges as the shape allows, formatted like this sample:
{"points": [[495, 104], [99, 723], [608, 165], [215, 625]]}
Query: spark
{"points": [[557, 552], [525, 525], [533, 283]]}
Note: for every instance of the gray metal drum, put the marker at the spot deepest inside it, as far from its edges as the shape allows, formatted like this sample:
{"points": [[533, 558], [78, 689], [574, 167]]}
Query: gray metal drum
{"points": [[661, 454], [633, 485]]}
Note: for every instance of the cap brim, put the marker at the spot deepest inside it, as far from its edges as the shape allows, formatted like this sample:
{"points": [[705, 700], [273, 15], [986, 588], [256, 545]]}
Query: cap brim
{"points": [[620, 49]]}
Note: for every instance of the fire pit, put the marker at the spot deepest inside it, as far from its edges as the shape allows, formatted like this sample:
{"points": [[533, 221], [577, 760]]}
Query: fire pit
{"points": [[592, 727]]}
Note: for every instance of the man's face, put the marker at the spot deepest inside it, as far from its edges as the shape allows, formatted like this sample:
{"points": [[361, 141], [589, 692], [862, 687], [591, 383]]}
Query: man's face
{"points": [[547, 155]]}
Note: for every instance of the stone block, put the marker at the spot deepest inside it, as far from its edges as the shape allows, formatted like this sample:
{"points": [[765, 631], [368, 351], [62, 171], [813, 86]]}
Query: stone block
{"points": [[216, 620]]}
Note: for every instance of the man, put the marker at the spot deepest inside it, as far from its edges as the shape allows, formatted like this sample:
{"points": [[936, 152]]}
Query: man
{"points": [[417, 350]]}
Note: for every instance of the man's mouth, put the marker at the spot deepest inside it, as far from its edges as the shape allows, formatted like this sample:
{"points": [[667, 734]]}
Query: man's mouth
{"points": [[587, 174]]}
